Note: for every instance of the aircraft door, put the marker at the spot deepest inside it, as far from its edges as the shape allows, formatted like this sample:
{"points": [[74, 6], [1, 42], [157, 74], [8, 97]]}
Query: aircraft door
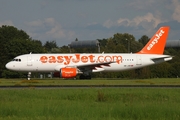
{"points": [[138, 60], [29, 60]]}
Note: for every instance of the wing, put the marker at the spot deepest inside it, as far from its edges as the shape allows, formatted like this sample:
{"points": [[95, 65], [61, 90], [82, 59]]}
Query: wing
{"points": [[95, 67], [94, 64]]}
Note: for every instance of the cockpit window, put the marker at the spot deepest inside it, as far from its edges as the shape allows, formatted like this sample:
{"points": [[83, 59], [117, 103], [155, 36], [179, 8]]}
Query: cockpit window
{"points": [[18, 60]]}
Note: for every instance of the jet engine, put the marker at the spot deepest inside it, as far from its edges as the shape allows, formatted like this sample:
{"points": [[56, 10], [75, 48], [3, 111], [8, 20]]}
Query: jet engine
{"points": [[66, 73]]}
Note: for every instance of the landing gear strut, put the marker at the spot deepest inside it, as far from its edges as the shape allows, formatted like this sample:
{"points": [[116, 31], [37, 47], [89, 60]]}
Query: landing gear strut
{"points": [[29, 76]]}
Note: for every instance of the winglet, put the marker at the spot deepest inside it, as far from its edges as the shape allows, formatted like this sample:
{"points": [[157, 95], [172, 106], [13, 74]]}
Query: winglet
{"points": [[157, 43]]}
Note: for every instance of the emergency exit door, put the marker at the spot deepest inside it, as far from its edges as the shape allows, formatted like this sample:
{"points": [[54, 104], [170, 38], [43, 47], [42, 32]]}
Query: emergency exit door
{"points": [[29, 60], [139, 60]]}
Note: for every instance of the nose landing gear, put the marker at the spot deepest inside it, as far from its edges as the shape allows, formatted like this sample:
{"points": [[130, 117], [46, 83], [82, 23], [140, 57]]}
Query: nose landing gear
{"points": [[29, 76]]}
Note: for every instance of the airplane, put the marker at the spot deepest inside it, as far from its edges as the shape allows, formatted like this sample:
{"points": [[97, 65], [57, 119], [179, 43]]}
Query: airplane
{"points": [[71, 65]]}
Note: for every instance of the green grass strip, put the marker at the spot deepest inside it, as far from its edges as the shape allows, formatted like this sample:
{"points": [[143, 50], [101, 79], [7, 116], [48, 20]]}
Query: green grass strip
{"points": [[90, 104], [157, 81]]}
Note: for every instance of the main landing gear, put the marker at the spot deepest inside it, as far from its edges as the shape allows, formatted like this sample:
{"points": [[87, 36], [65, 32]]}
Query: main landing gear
{"points": [[85, 76]]}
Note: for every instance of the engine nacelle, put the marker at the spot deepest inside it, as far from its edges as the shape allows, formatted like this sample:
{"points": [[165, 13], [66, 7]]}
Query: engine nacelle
{"points": [[66, 73]]}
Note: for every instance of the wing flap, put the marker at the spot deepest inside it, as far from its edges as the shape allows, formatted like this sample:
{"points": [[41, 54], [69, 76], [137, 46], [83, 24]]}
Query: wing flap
{"points": [[91, 65]]}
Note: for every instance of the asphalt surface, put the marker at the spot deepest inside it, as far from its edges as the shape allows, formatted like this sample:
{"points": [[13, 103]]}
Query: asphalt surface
{"points": [[88, 86]]}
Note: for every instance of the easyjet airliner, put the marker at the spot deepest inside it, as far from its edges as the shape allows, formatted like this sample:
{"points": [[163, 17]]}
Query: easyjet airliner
{"points": [[70, 65]]}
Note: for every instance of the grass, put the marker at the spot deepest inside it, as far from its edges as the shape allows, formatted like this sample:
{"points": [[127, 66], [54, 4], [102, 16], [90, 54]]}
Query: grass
{"points": [[90, 104], [156, 81]]}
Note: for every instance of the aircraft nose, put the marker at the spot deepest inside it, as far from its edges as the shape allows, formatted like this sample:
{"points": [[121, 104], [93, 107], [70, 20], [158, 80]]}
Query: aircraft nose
{"points": [[9, 66]]}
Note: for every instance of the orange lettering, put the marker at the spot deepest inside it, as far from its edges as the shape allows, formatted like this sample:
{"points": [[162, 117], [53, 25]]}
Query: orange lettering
{"points": [[77, 58], [107, 58], [52, 59], [60, 59], [91, 58], [68, 60], [117, 58], [100, 59], [84, 59], [43, 59]]}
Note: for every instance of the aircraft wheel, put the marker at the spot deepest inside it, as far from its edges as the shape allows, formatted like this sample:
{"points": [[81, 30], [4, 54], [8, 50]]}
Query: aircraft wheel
{"points": [[29, 76], [81, 77], [88, 77]]}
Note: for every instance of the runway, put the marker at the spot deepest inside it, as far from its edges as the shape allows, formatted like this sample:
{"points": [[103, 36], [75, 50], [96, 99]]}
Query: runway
{"points": [[87, 86]]}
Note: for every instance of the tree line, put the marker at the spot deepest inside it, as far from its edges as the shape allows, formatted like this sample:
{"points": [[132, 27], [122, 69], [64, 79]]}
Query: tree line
{"points": [[16, 42]]}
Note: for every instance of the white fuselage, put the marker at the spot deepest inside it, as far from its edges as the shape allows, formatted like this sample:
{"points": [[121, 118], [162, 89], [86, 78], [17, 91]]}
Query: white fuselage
{"points": [[54, 62]]}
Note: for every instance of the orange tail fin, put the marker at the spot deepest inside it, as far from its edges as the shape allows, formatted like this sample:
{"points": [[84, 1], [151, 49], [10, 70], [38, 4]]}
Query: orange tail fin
{"points": [[157, 43]]}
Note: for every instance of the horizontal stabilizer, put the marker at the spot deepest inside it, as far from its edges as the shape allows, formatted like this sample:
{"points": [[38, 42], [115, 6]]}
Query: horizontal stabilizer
{"points": [[163, 58]]}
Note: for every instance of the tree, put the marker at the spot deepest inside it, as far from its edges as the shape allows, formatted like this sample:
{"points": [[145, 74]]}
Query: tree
{"points": [[50, 45], [15, 42], [8, 33], [64, 49], [144, 39]]}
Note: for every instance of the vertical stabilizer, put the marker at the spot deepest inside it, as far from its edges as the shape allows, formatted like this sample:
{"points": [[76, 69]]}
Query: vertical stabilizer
{"points": [[157, 43]]}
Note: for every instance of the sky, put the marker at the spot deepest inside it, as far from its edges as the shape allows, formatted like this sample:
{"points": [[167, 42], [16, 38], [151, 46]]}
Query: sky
{"points": [[65, 20]]}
